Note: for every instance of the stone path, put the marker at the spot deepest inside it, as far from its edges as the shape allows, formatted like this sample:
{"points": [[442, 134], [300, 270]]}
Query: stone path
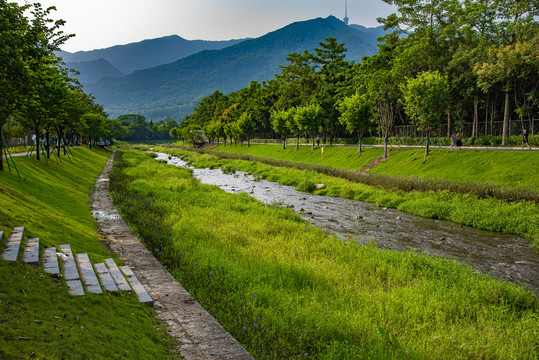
{"points": [[77, 270], [198, 334]]}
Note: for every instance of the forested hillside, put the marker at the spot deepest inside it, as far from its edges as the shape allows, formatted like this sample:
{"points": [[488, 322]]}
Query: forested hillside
{"points": [[175, 88]]}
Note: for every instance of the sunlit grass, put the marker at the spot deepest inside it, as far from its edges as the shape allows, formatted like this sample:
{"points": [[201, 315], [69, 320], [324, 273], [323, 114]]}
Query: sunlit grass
{"points": [[286, 290], [521, 218], [38, 318]]}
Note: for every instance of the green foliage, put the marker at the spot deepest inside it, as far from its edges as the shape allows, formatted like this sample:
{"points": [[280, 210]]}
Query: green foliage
{"points": [[39, 317], [267, 276]]}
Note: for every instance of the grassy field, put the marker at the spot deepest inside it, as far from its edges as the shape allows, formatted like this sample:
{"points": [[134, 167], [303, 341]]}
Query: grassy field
{"points": [[285, 290], [514, 168], [38, 318], [521, 218]]}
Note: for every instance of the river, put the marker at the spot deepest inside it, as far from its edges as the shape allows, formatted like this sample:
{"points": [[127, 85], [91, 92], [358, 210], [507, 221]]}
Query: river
{"points": [[503, 256]]}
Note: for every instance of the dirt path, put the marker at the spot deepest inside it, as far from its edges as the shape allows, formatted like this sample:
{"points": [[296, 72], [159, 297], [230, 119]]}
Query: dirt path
{"points": [[198, 334]]}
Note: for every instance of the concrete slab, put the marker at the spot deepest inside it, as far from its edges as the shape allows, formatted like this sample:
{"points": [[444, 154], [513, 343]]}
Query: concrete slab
{"points": [[18, 229], [141, 292], [117, 275], [69, 267], [87, 274], [75, 287], [105, 278], [31, 252], [50, 261], [13, 245]]}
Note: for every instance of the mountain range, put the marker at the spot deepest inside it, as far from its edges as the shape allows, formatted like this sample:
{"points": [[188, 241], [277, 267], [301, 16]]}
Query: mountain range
{"points": [[141, 77]]}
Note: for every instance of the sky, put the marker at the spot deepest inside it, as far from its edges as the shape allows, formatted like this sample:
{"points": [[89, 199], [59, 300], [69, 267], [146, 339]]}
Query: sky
{"points": [[104, 23]]}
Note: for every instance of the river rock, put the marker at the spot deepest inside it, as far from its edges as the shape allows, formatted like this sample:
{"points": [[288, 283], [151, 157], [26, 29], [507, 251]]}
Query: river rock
{"points": [[325, 206], [398, 217], [358, 217], [290, 206], [301, 209], [319, 186]]}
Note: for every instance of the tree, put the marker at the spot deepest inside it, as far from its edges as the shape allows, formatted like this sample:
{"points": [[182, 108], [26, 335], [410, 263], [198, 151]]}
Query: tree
{"points": [[425, 100], [356, 116], [308, 119], [279, 123]]}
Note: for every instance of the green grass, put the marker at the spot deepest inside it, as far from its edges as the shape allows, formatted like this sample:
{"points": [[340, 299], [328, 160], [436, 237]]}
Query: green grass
{"points": [[514, 168], [521, 218], [285, 290], [38, 318]]}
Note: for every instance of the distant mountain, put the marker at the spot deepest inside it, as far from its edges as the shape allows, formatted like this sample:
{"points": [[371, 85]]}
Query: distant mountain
{"points": [[147, 53], [92, 71], [371, 33], [173, 89]]}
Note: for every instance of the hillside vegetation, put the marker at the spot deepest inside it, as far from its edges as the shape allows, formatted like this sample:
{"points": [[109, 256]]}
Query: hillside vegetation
{"points": [[39, 319]]}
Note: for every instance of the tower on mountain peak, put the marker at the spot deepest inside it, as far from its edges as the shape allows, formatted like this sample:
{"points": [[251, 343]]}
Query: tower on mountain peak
{"points": [[345, 20]]}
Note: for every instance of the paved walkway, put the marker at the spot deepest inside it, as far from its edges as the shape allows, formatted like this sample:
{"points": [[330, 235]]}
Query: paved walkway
{"points": [[198, 334]]}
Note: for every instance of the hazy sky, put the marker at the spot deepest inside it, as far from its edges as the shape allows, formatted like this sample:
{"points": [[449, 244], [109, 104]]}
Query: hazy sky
{"points": [[103, 23]]}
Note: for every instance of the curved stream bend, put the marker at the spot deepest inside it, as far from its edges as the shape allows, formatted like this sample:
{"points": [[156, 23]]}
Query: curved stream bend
{"points": [[506, 257]]}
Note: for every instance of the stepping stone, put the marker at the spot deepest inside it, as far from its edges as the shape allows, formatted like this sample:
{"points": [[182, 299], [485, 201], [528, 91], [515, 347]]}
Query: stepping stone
{"points": [[105, 278], [69, 266], [13, 245], [50, 261], [88, 275], [141, 292], [75, 287], [117, 275], [31, 252]]}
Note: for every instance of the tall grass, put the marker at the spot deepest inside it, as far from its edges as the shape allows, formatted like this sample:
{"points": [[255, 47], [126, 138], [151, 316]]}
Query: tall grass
{"points": [[521, 218], [285, 290]]}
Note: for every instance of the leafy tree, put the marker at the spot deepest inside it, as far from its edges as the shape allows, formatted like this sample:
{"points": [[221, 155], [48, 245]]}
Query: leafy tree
{"points": [[425, 100], [279, 123], [356, 116], [308, 119]]}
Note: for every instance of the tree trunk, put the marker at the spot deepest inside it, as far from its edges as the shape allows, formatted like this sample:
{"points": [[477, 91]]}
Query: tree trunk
{"points": [[37, 142], [449, 123], [360, 145], [1, 149], [506, 115], [284, 143], [48, 145], [297, 143], [385, 147], [427, 143], [475, 130]]}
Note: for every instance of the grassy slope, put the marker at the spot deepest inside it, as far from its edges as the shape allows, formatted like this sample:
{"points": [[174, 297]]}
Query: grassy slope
{"points": [[267, 276], [503, 167], [37, 314]]}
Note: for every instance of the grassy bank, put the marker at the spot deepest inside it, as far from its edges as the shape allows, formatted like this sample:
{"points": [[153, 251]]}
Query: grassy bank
{"points": [[513, 168], [38, 318], [287, 291], [521, 218]]}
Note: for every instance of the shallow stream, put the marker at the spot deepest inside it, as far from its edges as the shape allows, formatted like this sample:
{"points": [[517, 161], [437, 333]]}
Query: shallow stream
{"points": [[506, 257]]}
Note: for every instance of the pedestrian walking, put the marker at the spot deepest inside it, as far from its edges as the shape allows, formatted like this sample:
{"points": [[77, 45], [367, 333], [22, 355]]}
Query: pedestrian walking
{"points": [[525, 140]]}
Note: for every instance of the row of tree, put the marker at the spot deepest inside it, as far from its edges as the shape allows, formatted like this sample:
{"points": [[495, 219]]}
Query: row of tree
{"points": [[36, 90], [442, 61]]}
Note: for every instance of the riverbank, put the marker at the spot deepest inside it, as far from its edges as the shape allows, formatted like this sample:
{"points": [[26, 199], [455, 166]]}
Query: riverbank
{"points": [[521, 218], [266, 275], [38, 316], [512, 168]]}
